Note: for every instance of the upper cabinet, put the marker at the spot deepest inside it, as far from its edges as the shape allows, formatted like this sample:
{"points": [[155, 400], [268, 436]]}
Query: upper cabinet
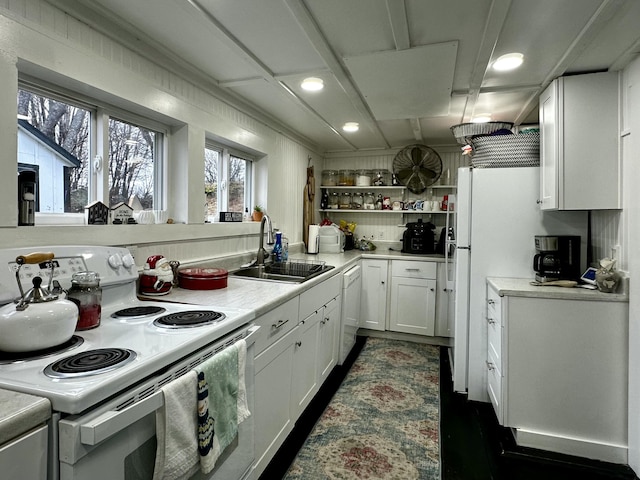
{"points": [[579, 143]]}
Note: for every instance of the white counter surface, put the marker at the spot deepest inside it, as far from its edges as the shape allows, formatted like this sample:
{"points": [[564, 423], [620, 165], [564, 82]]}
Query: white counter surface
{"points": [[521, 287], [262, 296]]}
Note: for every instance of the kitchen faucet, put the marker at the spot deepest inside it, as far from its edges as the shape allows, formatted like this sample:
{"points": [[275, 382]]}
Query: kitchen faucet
{"points": [[262, 253]]}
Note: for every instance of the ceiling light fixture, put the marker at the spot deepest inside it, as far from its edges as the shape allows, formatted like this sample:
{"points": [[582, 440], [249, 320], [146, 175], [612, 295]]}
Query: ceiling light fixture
{"points": [[509, 61], [351, 127], [312, 84], [482, 118]]}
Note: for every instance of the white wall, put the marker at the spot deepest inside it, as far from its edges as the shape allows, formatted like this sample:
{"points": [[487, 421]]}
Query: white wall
{"points": [[38, 39]]}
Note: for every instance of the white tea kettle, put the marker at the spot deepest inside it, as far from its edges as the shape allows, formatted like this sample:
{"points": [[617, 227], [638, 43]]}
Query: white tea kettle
{"points": [[39, 319]]}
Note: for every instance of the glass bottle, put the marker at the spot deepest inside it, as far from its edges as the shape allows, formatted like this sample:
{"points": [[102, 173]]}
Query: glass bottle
{"points": [[86, 293], [277, 248], [379, 202], [324, 200]]}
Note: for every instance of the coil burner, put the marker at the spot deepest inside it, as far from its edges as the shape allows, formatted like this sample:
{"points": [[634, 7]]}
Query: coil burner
{"points": [[190, 318], [14, 357], [91, 362], [139, 311]]}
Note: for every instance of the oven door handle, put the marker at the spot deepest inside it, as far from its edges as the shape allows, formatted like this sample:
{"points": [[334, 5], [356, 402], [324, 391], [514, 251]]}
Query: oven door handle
{"points": [[109, 423]]}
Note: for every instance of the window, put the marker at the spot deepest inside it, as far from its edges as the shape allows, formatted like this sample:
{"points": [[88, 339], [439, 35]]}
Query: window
{"points": [[227, 181], [54, 145]]}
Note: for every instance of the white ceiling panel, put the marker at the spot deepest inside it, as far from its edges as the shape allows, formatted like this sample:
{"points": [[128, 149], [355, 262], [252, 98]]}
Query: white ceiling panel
{"points": [[406, 83]]}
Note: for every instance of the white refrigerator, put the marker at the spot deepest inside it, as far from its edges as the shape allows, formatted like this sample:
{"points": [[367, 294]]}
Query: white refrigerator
{"points": [[497, 217]]}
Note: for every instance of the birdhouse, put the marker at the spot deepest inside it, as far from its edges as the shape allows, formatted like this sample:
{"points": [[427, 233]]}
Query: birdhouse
{"points": [[96, 213], [121, 213]]}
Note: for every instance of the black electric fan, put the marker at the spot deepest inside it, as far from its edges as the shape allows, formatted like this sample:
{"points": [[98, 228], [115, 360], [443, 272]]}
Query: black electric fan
{"points": [[417, 167]]}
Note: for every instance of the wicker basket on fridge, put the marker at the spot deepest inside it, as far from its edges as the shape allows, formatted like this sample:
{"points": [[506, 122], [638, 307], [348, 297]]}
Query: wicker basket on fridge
{"points": [[465, 132], [498, 151]]}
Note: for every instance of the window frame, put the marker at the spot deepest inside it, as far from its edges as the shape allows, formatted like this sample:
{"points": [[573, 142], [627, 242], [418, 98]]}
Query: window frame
{"points": [[224, 157], [98, 156]]}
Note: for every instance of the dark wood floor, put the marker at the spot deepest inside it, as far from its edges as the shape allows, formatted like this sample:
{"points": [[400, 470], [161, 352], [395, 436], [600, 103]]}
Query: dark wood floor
{"points": [[473, 445]]}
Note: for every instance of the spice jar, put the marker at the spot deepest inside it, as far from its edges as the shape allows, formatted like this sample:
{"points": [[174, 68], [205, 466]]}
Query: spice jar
{"points": [[345, 201], [334, 200], [86, 293]]}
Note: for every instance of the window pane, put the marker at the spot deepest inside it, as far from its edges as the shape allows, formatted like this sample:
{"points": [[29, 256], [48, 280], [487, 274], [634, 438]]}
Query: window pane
{"points": [[237, 184], [131, 163], [53, 142], [211, 169]]}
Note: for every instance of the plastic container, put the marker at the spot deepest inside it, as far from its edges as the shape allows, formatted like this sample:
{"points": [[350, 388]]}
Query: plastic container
{"points": [[86, 293]]}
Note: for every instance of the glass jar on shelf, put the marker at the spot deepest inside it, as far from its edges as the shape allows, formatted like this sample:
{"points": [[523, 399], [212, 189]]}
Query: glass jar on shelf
{"points": [[330, 178], [334, 200], [369, 201], [363, 178], [345, 201], [347, 178], [357, 201], [382, 178]]}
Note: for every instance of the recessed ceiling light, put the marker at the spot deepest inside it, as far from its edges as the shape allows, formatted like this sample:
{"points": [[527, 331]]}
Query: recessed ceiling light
{"points": [[482, 118], [312, 84], [351, 127], [508, 62]]}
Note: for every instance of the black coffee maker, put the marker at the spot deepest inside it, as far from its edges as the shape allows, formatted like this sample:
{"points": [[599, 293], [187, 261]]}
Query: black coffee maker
{"points": [[419, 238], [557, 257]]}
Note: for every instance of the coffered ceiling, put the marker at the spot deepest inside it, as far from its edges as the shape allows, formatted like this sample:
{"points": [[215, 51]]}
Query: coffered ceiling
{"points": [[405, 70]]}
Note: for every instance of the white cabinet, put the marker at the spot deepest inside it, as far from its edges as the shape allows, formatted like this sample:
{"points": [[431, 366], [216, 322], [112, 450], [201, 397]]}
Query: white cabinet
{"points": [[373, 301], [444, 300], [413, 297], [579, 143], [557, 371], [25, 456], [328, 339], [305, 363], [273, 411]]}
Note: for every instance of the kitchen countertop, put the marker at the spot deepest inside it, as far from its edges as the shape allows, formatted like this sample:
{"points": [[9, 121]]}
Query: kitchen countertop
{"points": [[261, 296], [20, 413], [521, 287]]}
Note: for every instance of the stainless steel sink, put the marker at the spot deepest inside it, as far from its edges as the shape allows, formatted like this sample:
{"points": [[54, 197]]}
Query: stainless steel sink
{"points": [[288, 272]]}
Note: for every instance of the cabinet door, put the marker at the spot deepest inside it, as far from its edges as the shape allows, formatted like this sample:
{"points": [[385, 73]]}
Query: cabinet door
{"points": [[373, 302], [549, 147], [273, 412], [305, 363], [328, 339], [413, 305]]}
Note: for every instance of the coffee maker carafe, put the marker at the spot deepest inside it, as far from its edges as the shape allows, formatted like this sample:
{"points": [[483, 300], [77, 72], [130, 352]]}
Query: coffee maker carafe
{"points": [[557, 257]]}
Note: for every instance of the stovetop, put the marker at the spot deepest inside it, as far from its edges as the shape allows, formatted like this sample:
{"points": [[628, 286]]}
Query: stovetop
{"points": [[148, 347]]}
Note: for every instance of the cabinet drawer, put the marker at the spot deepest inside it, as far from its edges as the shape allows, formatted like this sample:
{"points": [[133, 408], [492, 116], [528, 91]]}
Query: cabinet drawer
{"points": [[317, 296], [407, 268], [494, 306], [494, 338], [494, 387], [276, 323]]}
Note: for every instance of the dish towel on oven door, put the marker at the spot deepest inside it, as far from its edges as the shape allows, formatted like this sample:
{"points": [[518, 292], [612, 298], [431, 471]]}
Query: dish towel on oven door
{"points": [[222, 402], [176, 427]]}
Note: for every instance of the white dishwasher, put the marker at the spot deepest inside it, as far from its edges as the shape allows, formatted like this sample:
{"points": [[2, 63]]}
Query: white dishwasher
{"points": [[351, 287]]}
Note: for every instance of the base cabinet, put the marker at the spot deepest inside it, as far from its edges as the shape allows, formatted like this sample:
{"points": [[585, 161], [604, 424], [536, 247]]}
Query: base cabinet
{"points": [[305, 363], [328, 338], [413, 297], [373, 299], [25, 456], [557, 373]]}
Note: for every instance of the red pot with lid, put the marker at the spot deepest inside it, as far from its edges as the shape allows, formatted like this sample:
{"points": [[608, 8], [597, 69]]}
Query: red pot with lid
{"points": [[202, 278]]}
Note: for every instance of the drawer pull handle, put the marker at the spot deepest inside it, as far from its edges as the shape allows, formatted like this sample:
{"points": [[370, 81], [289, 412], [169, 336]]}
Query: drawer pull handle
{"points": [[412, 269], [279, 324], [490, 366], [491, 321], [491, 302]]}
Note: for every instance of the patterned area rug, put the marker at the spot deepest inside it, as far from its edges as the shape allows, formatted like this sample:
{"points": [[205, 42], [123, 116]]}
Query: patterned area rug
{"points": [[383, 422]]}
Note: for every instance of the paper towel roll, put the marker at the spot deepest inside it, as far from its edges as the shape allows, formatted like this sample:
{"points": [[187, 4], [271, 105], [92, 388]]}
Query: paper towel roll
{"points": [[314, 238]]}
